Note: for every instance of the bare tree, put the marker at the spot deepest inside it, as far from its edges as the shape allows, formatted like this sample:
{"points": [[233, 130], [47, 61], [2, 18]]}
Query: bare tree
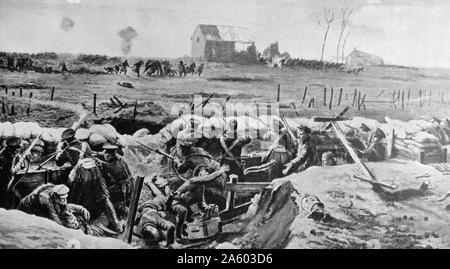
{"points": [[345, 15], [328, 18], [343, 46]]}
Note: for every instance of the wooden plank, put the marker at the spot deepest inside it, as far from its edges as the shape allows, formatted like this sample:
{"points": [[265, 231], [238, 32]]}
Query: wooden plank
{"points": [[340, 96], [231, 194], [326, 119], [246, 186], [128, 234], [236, 211], [351, 151]]}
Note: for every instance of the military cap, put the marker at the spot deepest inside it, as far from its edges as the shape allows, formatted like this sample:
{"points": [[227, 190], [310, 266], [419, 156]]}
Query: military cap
{"points": [[110, 147], [187, 137], [60, 190], [365, 128], [13, 141], [304, 128], [67, 134]]}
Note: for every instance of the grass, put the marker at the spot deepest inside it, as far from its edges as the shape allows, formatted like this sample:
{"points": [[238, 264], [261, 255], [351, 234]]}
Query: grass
{"points": [[254, 84]]}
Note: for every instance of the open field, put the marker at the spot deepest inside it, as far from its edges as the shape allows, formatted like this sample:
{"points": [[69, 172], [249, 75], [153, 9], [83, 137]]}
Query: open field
{"points": [[251, 84]]}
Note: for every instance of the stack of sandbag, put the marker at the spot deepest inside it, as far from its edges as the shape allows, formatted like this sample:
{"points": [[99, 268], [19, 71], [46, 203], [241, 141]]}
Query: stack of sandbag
{"points": [[411, 146], [100, 135]]}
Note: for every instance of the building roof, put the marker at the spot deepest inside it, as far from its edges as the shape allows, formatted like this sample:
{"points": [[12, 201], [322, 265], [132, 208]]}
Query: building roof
{"points": [[226, 33], [359, 53]]}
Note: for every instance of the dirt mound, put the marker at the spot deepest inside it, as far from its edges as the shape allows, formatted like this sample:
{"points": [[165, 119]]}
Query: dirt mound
{"points": [[360, 216], [20, 230]]}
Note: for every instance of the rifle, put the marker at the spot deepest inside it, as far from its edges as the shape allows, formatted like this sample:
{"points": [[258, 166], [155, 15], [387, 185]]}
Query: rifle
{"points": [[155, 150], [52, 156], [19, 163]]}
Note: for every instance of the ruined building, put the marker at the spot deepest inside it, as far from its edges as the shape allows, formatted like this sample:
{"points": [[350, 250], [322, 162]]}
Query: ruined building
{"points": [[219, 43], [357, 59]]}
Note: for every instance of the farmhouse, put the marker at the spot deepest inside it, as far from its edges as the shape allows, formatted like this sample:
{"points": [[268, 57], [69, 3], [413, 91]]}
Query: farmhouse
{"points": [[358, 58], [219, 43]]}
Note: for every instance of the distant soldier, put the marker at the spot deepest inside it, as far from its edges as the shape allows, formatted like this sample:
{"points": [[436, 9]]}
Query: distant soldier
{"points": [[118, 178], [124, 67], [181, 69], [137, 67], [8, 157], [306, 152], [200, 69], [50, 201], [117, 68], [64, 68], [88, 185]]}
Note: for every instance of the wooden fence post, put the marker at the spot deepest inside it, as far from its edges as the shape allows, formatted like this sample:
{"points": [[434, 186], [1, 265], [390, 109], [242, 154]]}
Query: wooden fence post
{"points": [[359, 101], [420, 98], [331, 99], [94, 110], [135, 113], [324, 96], [409, 96], [304, 94], [429, 99], [53, 92], [278, 94], [340, 96], [31, 95], [403, 99], [20, 92], [354, 97]]}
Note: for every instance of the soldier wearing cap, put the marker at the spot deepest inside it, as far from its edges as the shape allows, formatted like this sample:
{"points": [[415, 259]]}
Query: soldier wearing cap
{"points": [[306, 152], [88, 185], [375, 150], [205, 189], [118, 178], [187, 155], [9, 155], [50, 201]]}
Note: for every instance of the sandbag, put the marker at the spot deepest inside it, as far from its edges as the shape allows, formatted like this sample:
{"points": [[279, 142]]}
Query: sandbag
{"points": [[47, 137], [8, 130], [82, 134], [34, 128], [141, 133], [96, 139], [107, 131], [423, 137], [122, 142], [22, 130]]}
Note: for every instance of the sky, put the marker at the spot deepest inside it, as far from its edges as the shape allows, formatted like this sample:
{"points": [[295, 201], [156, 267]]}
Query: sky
{"points": [[402, 32]]}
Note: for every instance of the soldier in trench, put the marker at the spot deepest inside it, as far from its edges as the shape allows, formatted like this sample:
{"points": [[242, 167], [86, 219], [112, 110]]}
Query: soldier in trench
{"points": [[88, 185]]}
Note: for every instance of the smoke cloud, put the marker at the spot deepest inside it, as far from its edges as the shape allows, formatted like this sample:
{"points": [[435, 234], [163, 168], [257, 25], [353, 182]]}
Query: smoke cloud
{"points": [[127, 35], [67, 24]]}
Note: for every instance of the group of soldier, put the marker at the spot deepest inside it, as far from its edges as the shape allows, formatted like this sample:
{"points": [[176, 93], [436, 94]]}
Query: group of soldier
{"points": [[19, 64], [100, 187], [97, 194], [159, 68]]}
